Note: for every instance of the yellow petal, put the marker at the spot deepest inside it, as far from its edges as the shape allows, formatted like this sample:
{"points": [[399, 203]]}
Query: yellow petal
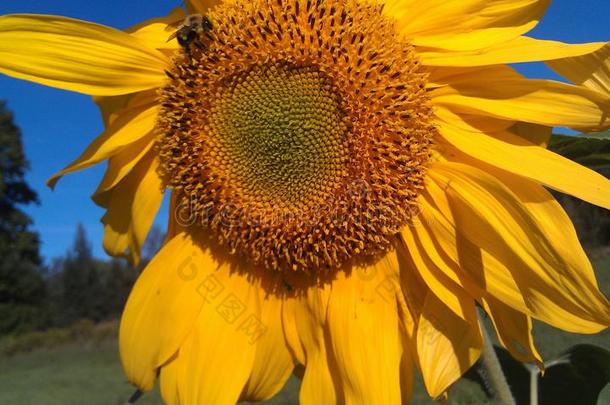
{"points": [[592, 71], [498, 91], [513, 327], [502, 245], [291, 333], [503, 149], [438, 283], [363, 330], [273, 362], [468, 121], [163, 307], [464, 24], [320, 381], [110, 105], [447, 345], [517, 50], [552, 220], [168, 382], [77, 55], [132, 124], [410, 300], [448, 313], [157, 31], [440, 241], [413, 296], [215, 360], [536, 134], [119, 166], [132, 208], [514, 331], [407, 366]]}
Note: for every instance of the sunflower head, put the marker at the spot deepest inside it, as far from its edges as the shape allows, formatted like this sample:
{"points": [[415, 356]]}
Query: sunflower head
{"points": [[303, 136], [299, 134]]}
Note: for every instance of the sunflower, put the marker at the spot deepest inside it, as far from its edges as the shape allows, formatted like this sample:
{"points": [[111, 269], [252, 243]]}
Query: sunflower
{"points": [[349, 181]]}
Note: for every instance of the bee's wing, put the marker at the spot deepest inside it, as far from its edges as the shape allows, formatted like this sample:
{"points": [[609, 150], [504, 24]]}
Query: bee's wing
{"points": [[174, 25], [172, 36]]}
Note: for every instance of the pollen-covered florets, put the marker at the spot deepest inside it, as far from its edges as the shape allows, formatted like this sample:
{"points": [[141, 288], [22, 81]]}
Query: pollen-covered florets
{"points": [[300, 133]]}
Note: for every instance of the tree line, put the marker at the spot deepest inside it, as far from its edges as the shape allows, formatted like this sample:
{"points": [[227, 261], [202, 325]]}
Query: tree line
{"points": [[35, 296]]}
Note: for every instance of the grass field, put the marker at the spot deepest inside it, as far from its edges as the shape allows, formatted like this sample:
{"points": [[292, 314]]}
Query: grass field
{"points": [[90, 373]]}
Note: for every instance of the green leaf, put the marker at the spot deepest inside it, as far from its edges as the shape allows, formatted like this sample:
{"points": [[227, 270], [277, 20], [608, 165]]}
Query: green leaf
{"points": [[591, 150], [576, 378]]}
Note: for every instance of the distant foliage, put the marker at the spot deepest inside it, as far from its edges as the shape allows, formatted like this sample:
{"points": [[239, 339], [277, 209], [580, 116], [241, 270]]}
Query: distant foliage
{"points": [[592, 150], [75, 288], [80, 282], [592, 223], [83, 287], [117, 281], [22, 288]]}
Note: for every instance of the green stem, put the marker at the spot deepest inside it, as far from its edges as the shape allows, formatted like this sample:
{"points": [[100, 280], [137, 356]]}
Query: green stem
{"points": [[491, 371], [534, 375]]}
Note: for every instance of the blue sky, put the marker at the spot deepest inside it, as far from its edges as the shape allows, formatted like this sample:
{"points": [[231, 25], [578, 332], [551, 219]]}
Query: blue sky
{"points": [[57, 125]]}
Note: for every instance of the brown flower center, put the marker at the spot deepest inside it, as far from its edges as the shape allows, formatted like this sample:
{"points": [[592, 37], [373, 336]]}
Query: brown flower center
{"points": [[279, 137], [299, 133]]}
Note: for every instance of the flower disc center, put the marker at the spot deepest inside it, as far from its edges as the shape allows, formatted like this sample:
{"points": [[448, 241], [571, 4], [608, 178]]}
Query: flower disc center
{"points": [[278, 133], [298, 133]]}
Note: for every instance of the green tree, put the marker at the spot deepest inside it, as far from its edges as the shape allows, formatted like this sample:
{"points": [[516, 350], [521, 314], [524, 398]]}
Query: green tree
{"points": [[22, 289], [593, 151], [117, 281], [82, 295]]}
